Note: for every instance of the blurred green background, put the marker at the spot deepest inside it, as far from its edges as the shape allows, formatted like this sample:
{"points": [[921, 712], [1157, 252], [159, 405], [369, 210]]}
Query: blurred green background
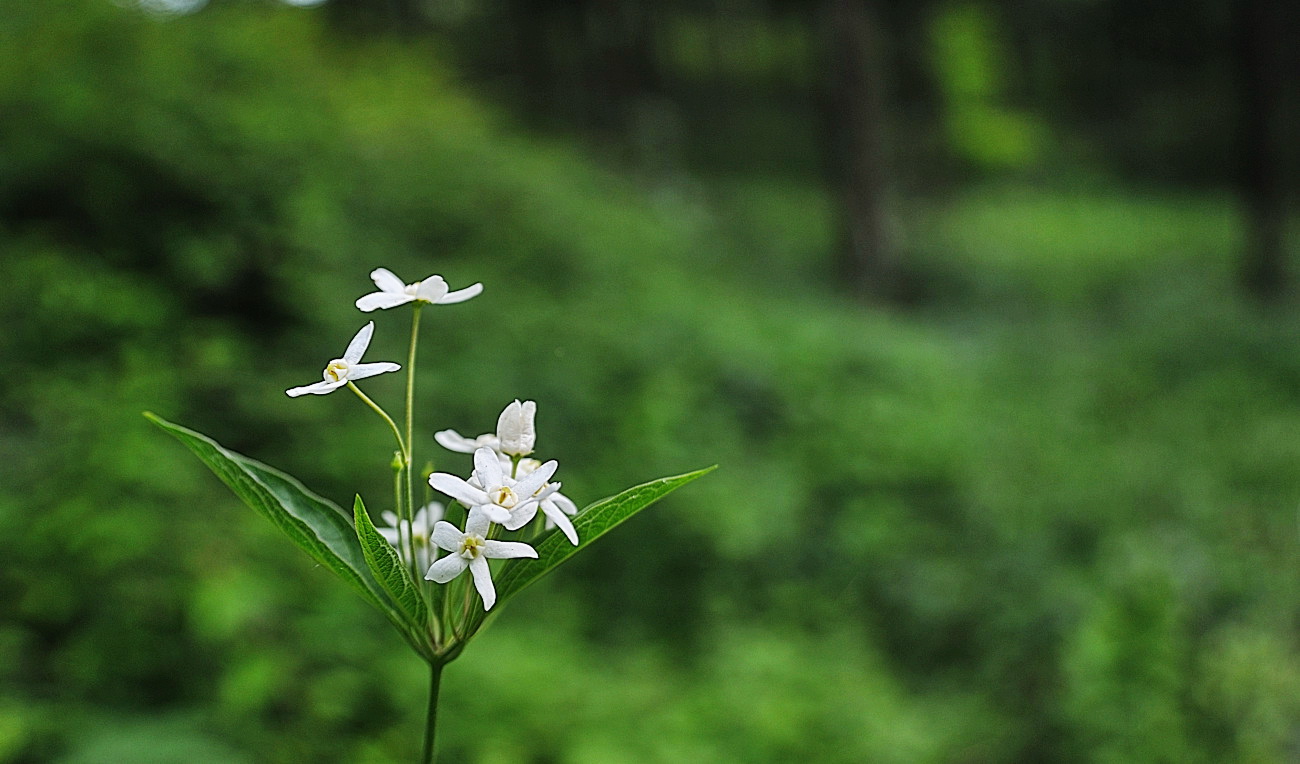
{"points": [[984, 309]]}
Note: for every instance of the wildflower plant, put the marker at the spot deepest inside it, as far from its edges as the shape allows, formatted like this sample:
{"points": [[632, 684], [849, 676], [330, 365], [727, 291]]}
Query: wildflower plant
{"points": [[506, 523]]}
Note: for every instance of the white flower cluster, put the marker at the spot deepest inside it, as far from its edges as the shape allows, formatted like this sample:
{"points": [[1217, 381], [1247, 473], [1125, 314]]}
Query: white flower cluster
{"points": [[515, 437], [506, 488]]}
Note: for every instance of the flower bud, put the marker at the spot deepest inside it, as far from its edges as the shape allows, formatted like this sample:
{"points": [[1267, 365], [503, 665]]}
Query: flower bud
{"points": [[515, 428]]}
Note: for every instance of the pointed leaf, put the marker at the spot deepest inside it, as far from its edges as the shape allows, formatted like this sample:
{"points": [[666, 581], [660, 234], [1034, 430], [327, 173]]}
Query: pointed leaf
{"points": [[389, 569], [591, 523], [315, 524]]}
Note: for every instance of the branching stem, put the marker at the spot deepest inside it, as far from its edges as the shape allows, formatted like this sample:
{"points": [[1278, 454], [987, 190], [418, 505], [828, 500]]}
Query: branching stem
{"points": [[401, 444]]}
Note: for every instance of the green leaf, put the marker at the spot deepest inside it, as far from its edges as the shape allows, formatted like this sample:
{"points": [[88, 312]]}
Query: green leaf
{"points": [[389, 569], [591, 523], [317, 525]]}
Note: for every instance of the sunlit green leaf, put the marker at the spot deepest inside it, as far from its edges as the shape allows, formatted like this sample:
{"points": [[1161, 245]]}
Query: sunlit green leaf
{"points": [[320, 527], [388, 568]]}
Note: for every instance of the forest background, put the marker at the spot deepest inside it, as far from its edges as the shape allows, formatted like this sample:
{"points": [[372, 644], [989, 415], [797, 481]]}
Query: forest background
{"points": [[986, 310]]}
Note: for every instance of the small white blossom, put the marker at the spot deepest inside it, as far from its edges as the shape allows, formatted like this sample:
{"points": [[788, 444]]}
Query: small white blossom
{"points": [[472, 549], [392, 292], [347, 369], [490, 490], [515, 428], [515, 421], [399, 531]]}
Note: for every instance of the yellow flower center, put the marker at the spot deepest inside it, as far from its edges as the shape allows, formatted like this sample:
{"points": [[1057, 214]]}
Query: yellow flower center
{"points": [[337, 371], [471, 547], [505, 497]]}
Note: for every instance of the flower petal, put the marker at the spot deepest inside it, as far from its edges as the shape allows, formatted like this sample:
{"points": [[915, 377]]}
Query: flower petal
{"points": [[386, 280], [429, 514], [320, 388], [446, 568], [431, 289], [557, 516], [391, 535], [363, 370], [520, 515], [500, 550], [457, 489], [565, 504], [494, 513], [515, 428], [488, 467], [381, 301], [477, 523], [454, 441], [461, 295], [357, 347], [446, 536], [478, 567], [529, 484]]}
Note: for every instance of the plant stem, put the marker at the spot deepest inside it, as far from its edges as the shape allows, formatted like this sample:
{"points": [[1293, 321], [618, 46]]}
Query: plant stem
{"points": [[410, 418], [401, 445], [431, 722]]}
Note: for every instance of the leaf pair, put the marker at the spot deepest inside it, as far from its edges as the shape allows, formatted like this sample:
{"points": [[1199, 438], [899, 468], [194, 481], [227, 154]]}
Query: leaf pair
{"points": [[354, 549]]}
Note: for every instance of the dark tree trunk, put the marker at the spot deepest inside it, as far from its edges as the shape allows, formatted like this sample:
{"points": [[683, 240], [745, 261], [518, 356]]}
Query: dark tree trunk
{"points": [[852, 108], [1261, 76]]}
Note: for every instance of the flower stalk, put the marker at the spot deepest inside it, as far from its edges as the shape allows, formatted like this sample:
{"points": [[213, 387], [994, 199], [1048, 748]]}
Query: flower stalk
{"points": [[410, 440], [401, 444], [431, 716]]}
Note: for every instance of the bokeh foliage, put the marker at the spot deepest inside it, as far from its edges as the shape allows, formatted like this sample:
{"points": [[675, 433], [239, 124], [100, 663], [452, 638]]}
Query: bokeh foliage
{"points": [[1050, 514]]}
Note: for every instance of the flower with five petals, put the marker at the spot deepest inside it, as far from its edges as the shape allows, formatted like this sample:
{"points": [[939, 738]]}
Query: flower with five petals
{"points": [[472, 549], [392, 292], [347, 369], [499, 497]]}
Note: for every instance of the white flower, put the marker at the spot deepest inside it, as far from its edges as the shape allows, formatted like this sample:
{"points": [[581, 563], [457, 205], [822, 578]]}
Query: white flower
{"points": [[343, 370], [472, 549], [515, 428], [515, 435], [399, 531], [392, 292], [500, 498], [454, 441], [556, 506]]}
